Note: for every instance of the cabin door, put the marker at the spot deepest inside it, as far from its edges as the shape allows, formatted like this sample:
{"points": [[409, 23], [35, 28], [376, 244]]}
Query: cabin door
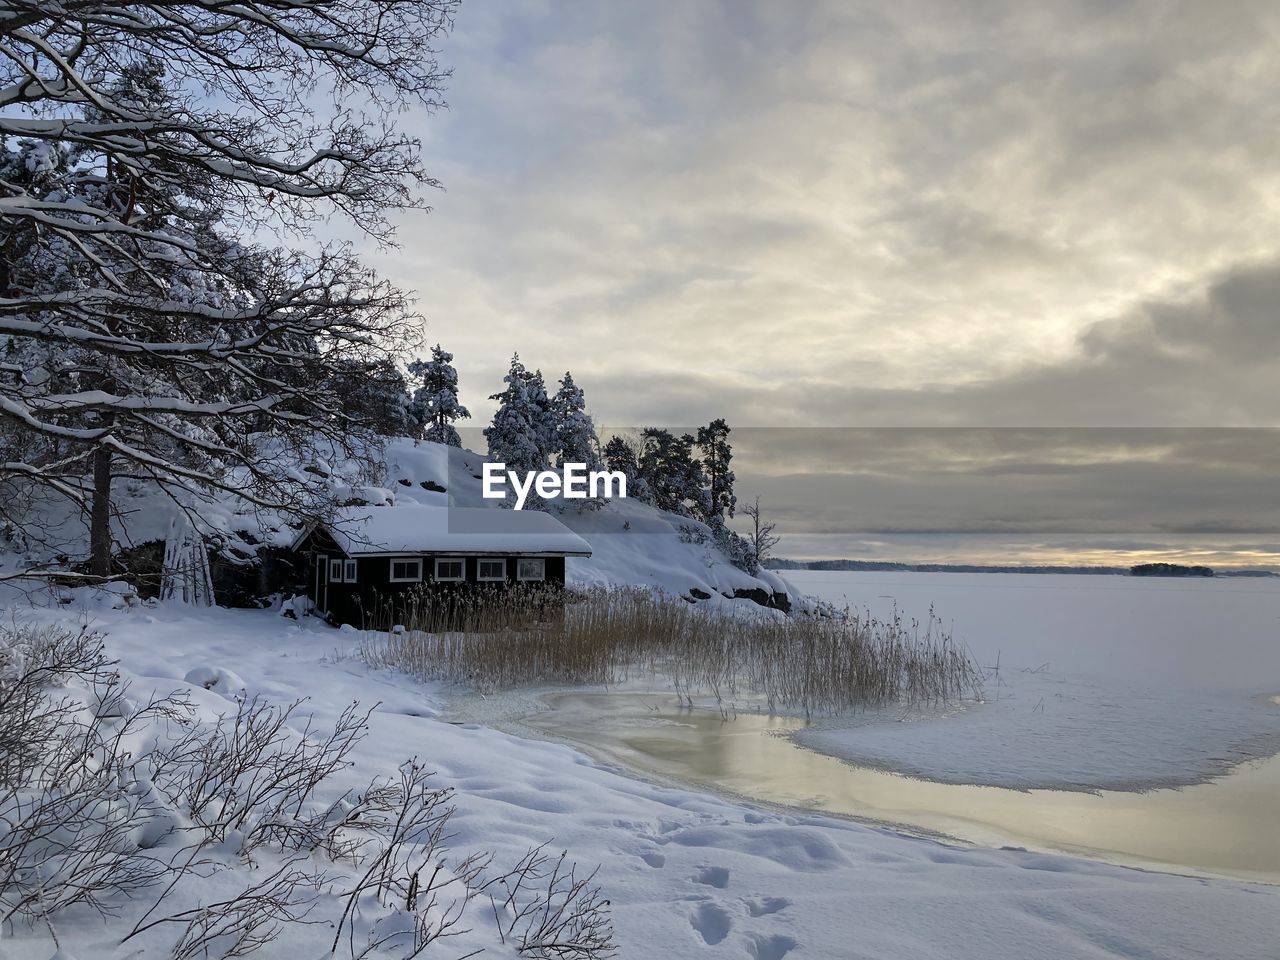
{"points": [[322, 584]]}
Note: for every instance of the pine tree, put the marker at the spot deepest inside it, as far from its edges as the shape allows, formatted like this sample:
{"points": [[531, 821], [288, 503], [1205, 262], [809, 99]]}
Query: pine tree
{"points": [[435, 404], [379, 398], [620, 455], [713, 441], [519, 434], [673, 477], [689, 478], [544, 416], [575, 431]]}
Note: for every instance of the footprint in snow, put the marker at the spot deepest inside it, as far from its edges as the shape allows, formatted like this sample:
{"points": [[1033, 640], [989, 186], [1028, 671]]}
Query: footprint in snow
{"points": [[711, 923], [655, 860], [766, 906], [717, 877], [770, 948]]}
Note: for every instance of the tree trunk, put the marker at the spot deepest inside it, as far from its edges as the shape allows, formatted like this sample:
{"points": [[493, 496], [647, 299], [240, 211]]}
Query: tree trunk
{"points": [[100, 515]]}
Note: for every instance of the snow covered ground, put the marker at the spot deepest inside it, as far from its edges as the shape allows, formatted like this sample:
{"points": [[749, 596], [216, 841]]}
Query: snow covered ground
{"points": [[1104, 682], [689, 875], [632, 542]]}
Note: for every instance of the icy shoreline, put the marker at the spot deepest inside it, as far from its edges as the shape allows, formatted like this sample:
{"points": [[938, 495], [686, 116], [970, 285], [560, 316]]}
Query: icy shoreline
{"points": [[749, 756], [1106, 744], [687, 872], [979, 744]]}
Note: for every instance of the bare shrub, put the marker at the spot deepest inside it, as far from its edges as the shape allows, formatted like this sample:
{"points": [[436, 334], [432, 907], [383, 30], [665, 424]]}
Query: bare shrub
{"points": [[549, 912], [409, 871], [33, 662], [252, 773], [70, 801], [603, 636], [242, 924], [93, 811]]}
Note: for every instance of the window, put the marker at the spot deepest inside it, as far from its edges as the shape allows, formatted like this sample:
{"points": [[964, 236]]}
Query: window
{"points": [[453, 568], [351, 572], [531, 568], [335, 571], [493, 570], [406, 569]]}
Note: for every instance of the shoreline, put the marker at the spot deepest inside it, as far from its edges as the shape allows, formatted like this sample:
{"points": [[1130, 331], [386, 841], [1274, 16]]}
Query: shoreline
{"points": [[1146, 830]]}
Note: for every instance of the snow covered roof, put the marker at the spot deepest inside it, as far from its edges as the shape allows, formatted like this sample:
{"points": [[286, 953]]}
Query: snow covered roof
{"points": [[365, 531]]}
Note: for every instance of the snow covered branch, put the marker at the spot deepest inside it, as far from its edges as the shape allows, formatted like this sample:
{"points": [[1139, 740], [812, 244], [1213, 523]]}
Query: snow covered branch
{"points": [[142, 142]]}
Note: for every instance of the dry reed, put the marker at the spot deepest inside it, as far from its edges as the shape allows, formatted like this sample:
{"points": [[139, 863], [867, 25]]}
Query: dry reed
{"points": [[607, 636]]}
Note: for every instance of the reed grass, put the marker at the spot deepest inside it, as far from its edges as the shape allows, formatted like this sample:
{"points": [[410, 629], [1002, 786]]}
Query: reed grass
{"points": [[607, 636]]}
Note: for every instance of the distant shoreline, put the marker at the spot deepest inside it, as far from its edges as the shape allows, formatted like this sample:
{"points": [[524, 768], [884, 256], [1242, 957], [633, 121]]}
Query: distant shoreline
{"points": [[783, 563]]}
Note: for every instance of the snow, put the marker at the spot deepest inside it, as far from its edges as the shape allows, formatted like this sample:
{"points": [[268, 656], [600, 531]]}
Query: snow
{"points": [[217, 679], [1103, 683], [630, 542], [365, 531], [633, 543], [688, 874]]}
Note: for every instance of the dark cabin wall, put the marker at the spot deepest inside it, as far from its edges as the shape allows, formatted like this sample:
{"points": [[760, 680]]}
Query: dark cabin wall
{"points": [[373, 601], [382, 604]]}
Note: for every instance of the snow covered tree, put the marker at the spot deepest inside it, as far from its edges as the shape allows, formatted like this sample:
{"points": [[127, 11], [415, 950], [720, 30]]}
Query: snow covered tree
{"points": [[138, 138], [575, 431], [671, 474], [713, 441], [520, 435], [435, 403], [620, 454], [379, 398]]}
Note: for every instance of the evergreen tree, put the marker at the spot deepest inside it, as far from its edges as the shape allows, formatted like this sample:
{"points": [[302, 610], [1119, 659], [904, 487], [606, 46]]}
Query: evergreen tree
{"points": [[713, 441], [672, 475], [620, 455], [519, 434], [689, 478], [379, 397], [575, 431], [543, 413], [435, 404]]}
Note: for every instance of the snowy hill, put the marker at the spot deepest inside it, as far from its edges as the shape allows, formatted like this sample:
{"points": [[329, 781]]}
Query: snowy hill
{"points": [[632, 543]]}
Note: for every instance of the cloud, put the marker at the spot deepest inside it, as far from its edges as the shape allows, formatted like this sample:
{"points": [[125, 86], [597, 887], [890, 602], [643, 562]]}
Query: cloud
{"points": [[1208, 359], [863, 214], [838, 200]]}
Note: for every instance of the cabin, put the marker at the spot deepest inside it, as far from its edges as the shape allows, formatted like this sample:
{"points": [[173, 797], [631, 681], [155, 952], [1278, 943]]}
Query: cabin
{"points": [[367, 565]]}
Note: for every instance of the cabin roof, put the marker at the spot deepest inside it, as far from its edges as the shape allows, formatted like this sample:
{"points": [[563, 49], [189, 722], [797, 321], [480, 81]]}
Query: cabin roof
{"points": [[409, 529]]}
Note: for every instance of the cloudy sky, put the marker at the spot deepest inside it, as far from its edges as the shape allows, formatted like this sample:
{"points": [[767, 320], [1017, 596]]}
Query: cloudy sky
{"points": [[846, 215]]}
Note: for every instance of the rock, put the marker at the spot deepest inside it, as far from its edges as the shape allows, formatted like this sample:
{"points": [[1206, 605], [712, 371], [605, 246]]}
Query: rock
{"points": [[774, 601], [216, 679]]}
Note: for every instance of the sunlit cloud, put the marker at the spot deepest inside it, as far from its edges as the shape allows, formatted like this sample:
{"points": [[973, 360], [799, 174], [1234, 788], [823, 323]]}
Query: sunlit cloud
{"points": [[836, 214]]}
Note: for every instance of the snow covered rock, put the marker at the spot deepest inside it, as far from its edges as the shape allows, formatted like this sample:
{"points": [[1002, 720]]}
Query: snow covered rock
{"points": [[216, 679]]}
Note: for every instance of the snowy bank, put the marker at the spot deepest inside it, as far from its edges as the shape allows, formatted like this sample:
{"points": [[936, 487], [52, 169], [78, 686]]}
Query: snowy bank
{"points": [[687, 874]]}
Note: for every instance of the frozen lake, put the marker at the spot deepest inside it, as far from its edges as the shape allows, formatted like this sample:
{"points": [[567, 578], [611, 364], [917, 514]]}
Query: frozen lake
{"points": [[1094, 682], [1221, 633], [1128, 719]]}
